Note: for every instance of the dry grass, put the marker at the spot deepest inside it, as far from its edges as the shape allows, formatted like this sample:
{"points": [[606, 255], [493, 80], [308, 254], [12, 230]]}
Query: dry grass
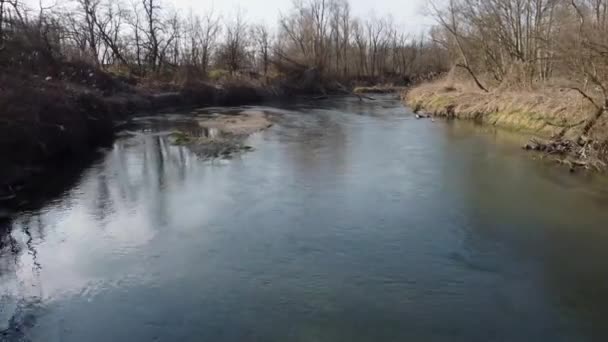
{"points": [[544, 112]]}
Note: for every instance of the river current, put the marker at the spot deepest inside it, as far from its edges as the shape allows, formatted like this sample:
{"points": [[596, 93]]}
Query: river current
{"points": [[349, 221]]}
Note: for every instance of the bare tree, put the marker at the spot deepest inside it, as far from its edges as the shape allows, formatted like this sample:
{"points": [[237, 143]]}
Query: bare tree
{"points": [[170, 44], [152, 32], [89, 11], [361, 44], [448, 20], [263, 42], [233, 52], [586, 52], [374, 29], [208, 37], [110, 25], [149, 38]]}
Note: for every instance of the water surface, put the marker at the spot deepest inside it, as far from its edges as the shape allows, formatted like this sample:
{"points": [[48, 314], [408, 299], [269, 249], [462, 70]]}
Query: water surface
{"points": [[348, 222]]}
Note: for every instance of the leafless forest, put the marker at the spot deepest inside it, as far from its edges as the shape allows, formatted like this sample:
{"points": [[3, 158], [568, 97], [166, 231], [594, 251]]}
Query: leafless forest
{"points": [[527, 43], [151, 38], [534, 65], [497, 42]]}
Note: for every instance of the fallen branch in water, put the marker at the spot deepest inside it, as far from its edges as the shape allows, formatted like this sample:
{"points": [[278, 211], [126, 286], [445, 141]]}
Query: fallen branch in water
{"points": [[552, 147], [586, 157]]}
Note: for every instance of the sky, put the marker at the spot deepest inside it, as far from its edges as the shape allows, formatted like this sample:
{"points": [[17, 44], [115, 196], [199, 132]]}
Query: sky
{"points": [[408, 13]]}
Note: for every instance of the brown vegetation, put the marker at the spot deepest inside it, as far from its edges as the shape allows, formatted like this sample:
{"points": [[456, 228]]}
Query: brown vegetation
{"points": [[535, 65], [545, 112]]}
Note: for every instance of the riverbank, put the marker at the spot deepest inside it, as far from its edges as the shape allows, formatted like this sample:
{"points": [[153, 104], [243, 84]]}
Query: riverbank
{"points": [[556, 118], [55, 115], [52, 120]]}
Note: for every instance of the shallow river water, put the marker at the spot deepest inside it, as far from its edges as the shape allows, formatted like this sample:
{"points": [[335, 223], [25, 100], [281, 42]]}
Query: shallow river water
{"points": [[348, 222]]}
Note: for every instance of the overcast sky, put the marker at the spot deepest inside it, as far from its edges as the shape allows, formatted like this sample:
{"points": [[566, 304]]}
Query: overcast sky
{"points": [[407, 13]]}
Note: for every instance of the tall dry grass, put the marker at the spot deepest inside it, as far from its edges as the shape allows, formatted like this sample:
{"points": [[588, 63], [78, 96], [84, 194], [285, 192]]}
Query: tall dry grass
{"points": [[545, 111]]}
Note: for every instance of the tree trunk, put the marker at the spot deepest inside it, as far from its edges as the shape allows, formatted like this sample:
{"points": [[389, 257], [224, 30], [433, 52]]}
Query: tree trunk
{"points": [[477, 82]]}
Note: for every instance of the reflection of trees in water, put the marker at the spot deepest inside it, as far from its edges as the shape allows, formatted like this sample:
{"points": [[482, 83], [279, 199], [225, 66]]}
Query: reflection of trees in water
{"points": [[26, 227], [27, 232], [158, 201], [103, 204], [55, 182], [181, 163], [137, 171], [19, 254], [22, 319], [9, 250], [21, 301]]}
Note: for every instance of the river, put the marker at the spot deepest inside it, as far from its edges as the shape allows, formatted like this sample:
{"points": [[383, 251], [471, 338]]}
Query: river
{"points": [[348, 221]]}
